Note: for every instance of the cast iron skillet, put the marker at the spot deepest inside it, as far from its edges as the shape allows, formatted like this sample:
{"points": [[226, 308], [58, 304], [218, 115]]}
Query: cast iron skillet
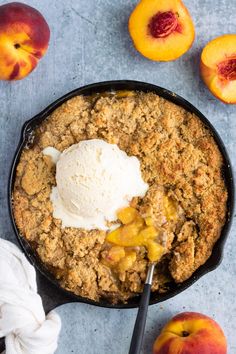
{"points": [[51, 292]]}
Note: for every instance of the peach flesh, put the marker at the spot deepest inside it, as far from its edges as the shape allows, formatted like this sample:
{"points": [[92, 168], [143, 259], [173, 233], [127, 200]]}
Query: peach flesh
{"points": [[227, 69], [163, 24]]}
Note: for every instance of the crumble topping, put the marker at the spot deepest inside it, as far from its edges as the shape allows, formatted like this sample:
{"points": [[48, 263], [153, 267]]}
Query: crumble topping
{"points": [[179, 158]]}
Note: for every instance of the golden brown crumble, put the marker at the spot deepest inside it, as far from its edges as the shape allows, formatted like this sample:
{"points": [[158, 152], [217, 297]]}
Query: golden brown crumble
{"points": [[178, 156]]}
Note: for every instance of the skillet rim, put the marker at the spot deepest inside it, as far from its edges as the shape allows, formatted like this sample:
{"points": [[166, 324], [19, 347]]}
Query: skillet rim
{"points": [[217, 254]]}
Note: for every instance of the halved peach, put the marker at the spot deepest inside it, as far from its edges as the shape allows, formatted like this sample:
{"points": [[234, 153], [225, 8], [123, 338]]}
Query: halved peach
{"points": [[218, 67], [161, 30]]}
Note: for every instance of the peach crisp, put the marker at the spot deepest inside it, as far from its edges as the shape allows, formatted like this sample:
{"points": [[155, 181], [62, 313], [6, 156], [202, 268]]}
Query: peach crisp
{"points": [[176, 223]]}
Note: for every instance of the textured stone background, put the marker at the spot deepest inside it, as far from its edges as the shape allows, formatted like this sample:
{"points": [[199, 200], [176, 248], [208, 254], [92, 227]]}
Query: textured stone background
{"points": [[90, 43]]}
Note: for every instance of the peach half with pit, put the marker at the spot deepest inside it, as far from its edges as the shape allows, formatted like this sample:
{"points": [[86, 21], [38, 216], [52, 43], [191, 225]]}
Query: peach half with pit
{"points": [[161, 30], [218, 67]]}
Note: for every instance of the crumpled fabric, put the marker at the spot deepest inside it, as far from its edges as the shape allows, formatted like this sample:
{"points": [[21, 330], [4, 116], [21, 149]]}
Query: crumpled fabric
{"points": [[22, 318]]}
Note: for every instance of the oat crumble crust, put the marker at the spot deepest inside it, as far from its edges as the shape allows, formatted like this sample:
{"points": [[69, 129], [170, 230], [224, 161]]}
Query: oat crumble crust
{"points": [[178, 155]]}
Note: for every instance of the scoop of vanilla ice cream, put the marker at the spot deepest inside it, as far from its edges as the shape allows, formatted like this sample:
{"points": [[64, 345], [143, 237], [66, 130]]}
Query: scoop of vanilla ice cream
{"points": [[94, 180]]}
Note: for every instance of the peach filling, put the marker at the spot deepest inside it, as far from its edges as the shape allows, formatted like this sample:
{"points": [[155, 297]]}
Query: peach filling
{"points": [[227, 69], [135, 231], [120, 259], [170, 208], [163, 24]]}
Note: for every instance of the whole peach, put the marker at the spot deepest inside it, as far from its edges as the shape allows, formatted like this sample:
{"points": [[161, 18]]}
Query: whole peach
{"points": [[24, 38], [191, 333]]}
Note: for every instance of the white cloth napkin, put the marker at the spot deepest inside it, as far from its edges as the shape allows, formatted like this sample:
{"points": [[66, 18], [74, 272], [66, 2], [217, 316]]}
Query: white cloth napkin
{"points": [[22, 318]]}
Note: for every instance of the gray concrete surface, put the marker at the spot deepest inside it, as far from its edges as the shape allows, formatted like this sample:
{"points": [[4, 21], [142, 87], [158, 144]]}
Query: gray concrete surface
{"points": [[90, 43]]}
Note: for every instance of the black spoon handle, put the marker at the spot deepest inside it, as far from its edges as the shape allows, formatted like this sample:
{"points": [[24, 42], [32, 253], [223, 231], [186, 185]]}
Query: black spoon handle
{"points": [[2, 344], [139, 327]]}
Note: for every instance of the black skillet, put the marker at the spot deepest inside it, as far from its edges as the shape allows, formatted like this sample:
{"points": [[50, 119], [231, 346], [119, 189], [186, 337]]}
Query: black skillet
{"points": [[52, 294]]}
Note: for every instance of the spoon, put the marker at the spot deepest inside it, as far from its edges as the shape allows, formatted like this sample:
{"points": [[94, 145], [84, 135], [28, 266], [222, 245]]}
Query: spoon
{"points": [[139, 327]]}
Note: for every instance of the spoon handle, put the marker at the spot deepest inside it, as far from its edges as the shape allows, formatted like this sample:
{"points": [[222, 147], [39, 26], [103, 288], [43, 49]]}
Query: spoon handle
{"points": [[139, 327], [2, 344]]}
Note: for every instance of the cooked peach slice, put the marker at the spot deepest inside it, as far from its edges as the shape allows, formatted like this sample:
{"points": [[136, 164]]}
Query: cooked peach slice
{"points": [[115, 254], [218, 67], [161, 30], [125, 236], [155, 251], [170, 208], [149, 232], [127, 215], [149, 221], [127, 262], [136, 231]]}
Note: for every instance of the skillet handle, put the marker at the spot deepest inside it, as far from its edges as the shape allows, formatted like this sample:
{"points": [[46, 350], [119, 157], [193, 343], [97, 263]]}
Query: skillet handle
{"points": [[52, 297], [28, 127]]}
